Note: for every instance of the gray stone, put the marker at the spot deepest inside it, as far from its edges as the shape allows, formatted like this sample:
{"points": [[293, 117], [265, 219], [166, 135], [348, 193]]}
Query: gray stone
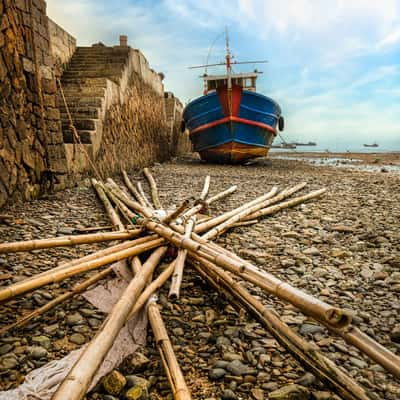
{"points": [[8, 362], [51, 329], [221, 364], [306, 380], [217, 373], [77, 338], [42, 341], [358, 363], [74, 319], [312, 251], [138, 362], [6, 348], [310, 329], [290, 392], [134, 380], [228, 394], [37, 352], [66, 231], [236, 367]]}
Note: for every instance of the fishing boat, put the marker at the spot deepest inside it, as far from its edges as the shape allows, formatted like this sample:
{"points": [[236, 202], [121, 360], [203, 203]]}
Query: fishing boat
{"points": [[371, 145], [231, 122]]}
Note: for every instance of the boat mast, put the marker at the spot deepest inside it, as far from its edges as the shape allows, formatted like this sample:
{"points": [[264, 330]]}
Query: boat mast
{"points": [[228, 71]]}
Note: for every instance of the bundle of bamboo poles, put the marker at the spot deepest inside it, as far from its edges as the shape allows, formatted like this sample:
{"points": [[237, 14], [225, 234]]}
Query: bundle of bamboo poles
{"points": [[186, 228]]}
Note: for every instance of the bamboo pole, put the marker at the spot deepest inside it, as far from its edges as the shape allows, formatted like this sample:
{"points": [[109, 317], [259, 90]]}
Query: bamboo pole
{"points": [[307, 354], [66, 272], [180, 262], [153, 187], [205, 226], [76, 383], [114, 199], [290, 203], [132, 189], [143, 194], [174, 374], [28, 245], [206, 188], [380, 354], [249, 210], [198, 207], [79, 288], [109, 208], [244, 223]]}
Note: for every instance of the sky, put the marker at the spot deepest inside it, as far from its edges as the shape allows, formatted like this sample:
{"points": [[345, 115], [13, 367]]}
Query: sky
{"points": [[333, 65]]}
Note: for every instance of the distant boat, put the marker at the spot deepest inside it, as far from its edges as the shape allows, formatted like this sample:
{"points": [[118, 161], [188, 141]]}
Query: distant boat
{"points": [[305, 144], [231, 122], [371, 145]]}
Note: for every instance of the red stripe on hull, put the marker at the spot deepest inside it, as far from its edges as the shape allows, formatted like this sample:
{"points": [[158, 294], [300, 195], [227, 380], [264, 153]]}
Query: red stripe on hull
{"points": [[234, 119], [236, 97]]}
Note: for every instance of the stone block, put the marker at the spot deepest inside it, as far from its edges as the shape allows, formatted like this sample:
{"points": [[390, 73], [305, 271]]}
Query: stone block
{"points": [[53, 114], [49, 86]]}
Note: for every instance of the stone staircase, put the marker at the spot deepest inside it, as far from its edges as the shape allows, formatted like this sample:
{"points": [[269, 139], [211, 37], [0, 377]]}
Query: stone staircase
{"points": [[90, 75]]}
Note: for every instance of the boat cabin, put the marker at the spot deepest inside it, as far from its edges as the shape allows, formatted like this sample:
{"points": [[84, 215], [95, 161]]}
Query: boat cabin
{"points": [[246, 81]]}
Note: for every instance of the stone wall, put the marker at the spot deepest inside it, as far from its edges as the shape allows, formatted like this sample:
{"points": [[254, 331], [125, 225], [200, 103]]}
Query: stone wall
{"points": [[134, 129], [32, 157], [62, 46], [180, 142]]}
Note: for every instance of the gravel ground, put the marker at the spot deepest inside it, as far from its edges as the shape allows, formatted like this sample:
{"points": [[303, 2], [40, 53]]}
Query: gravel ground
{"points": [[343, 248]]}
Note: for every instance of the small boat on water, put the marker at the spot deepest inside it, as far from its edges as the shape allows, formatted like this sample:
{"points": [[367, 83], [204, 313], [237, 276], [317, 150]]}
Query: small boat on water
{"points": [[231, 122], [371, 145]]}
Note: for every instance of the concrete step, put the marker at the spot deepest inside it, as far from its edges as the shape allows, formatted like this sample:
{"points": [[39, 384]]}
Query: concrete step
{"points": [[102, 50], [118, 67], [71, 94], [100, 73], [76, 102], [86, 137], [83, 124], [91, 59], [85, 81], [87, 112], [77, 108]]}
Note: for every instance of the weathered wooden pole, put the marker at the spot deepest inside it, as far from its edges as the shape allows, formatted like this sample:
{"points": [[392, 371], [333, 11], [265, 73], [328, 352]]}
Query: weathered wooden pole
{"points": [[132, 189], [115, 220], [153, 187], [78, 380], [180, 262], [249, 210], [143, 194], [290, 203], [56, 276], [37, 244], [174, 374], [205, 226]]}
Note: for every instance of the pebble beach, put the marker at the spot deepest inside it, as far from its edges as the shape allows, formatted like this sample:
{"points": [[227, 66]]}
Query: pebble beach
{"points": [[343, 248]]}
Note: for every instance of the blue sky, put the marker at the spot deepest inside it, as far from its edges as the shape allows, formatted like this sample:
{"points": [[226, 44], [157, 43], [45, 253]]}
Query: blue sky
{"points": [[334, 65]]}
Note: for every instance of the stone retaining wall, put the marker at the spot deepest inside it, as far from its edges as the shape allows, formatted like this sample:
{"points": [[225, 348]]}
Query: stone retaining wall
{"points": [[62, 46], [32, 157]]}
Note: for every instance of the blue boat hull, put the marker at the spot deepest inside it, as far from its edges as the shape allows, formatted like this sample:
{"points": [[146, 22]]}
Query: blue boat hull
{"points": [[234, 129]]}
